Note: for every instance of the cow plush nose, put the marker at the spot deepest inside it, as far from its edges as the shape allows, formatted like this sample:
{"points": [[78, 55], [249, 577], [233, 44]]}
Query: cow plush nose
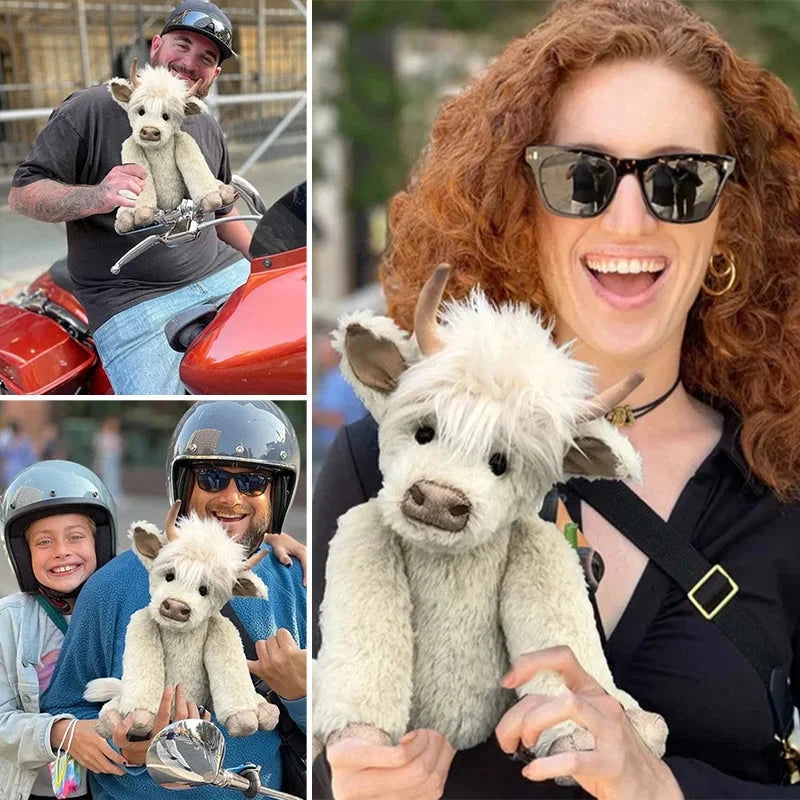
{"points": [[175, 609], [437, 505], [150, 134]]}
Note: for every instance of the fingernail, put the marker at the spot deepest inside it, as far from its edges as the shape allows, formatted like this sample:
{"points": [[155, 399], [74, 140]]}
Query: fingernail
{"points": [[409, 737]]}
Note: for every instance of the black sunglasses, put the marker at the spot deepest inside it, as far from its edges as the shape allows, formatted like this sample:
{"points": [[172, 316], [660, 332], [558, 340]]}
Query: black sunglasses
{"points": [[204, 22], [214, 479], [676, 187]]}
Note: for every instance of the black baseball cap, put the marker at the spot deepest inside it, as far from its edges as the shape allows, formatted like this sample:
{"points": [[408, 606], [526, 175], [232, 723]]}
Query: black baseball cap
{"points": [[203, 18]]}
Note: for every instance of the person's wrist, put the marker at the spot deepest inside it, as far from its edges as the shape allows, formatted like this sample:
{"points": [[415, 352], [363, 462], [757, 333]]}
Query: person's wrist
{"points": [[297, 692], [57, 731]]}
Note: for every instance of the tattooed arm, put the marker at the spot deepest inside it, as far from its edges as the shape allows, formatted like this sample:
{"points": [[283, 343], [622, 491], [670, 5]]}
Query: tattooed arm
{"points": [[50, 201]]}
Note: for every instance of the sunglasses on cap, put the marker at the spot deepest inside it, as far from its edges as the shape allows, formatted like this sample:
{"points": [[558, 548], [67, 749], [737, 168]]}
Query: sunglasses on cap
{"points": [[202, 21], [214, 479], [578, 183]]}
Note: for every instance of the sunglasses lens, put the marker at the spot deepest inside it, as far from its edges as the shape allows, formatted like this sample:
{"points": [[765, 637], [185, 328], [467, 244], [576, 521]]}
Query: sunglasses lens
{"points": [[204, 22], [213, 479], [682, 189], [576, 184], [252, 483]]}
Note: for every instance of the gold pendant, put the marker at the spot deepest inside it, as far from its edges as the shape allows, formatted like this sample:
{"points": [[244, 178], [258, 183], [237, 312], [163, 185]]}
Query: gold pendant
{"points": [[791, 756], [621, 416]]}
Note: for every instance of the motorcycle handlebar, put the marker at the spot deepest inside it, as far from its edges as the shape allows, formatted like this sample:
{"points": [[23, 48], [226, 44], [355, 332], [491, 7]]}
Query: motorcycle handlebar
{"points": [[176, 239]]}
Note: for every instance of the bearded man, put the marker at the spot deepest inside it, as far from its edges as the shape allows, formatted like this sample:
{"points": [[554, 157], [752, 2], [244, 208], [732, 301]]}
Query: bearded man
{"points": [[238, 462], [74, 174]]}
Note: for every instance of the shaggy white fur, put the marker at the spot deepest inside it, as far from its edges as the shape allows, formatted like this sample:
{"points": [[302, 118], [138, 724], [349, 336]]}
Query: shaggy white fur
{"points": [[424, 612], [174, 163], [181, 637]]}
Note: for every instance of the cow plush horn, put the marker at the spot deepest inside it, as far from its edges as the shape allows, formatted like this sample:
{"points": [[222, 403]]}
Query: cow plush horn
{"points": [[425, 326], [254, 559], [169, 525], [195, 86], [134, 73], [602, 403]]}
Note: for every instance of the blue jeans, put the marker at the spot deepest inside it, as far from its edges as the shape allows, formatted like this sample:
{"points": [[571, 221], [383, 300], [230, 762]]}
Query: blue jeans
{"points": [[133, 347]]}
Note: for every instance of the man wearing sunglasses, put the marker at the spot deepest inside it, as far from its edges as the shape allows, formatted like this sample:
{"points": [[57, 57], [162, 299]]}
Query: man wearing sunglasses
{"points": [[74, 174], [238, 462]]}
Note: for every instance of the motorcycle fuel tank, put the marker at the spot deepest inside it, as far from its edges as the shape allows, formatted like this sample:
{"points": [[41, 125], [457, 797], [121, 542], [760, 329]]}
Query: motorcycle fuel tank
{"points": [[37, 356], [256, 344]]}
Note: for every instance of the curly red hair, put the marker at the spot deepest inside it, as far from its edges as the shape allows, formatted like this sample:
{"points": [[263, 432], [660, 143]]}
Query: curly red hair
{"points": [[470, 202]]}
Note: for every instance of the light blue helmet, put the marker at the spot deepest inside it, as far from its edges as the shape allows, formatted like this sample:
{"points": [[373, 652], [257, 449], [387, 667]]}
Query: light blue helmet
{"points": [[54, 487]]}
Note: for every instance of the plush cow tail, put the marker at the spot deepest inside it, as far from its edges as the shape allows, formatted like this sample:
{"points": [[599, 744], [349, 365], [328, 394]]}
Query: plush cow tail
{"points": [[101, 690]]}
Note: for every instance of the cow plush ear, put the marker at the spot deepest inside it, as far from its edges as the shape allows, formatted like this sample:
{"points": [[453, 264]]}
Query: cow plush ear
{"points": [[121, 91], [599, 450], [194, 105], [146, 541], [248, 584], [375, 353]]}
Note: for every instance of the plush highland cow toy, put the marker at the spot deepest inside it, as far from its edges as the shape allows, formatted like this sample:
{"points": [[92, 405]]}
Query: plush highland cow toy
{"points": [[157, 103], [436, 585], [181, 636]]}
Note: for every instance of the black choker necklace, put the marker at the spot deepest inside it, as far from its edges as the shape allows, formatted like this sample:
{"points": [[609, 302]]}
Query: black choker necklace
{"points": [[622, 416]]}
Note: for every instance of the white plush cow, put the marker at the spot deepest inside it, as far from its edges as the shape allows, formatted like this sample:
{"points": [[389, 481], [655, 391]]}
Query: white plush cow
{"points": [[157, 103], [181, 636], [436, 585]]}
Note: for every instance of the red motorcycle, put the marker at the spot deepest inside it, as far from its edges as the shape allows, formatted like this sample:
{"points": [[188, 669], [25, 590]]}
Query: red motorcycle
{"points": [[253, 343]]}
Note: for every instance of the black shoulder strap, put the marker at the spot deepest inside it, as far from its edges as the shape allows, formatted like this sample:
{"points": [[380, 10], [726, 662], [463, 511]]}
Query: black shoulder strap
{"points": [[290, 733], [708, 586]]}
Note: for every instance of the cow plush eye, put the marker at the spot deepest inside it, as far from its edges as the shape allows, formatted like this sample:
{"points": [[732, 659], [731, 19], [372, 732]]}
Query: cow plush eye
{"points": [[498, 463], [165, 117], [203, 591], [170, 576], [140, 112], [424, 434]]}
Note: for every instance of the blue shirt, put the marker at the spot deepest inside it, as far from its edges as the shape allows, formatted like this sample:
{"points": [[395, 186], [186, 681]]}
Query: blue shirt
{"points": [[95, 642]]}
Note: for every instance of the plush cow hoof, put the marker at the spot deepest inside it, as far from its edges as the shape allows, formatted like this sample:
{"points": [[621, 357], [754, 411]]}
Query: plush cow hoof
{"points": [[106, 723], [142, 721], [579, 739], [651, 727], [227, 193], [369, 733], [125, 221], [242, 723], [143, 216], [267, 716], [211, 202]]}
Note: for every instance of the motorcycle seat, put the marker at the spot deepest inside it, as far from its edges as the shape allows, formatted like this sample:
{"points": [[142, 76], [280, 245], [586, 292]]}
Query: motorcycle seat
{"points": [[60, 276]]}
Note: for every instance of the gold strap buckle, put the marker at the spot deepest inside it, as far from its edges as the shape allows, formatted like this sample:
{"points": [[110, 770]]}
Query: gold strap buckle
{"points": [[734, 587]]}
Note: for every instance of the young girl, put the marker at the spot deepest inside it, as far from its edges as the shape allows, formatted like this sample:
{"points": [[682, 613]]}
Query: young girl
{"points": [[58, 528]]}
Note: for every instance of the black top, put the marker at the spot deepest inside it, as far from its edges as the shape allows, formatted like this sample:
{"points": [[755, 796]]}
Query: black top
{"points": [[80, 144], [662, 651]]}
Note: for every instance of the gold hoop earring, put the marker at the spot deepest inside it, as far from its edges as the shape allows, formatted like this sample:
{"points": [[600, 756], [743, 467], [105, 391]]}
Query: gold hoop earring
{"points": [[727, 274]]}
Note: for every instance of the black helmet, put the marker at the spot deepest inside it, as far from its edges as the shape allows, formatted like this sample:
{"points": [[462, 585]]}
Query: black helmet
{"points": [[238, 433], [54, 487]]}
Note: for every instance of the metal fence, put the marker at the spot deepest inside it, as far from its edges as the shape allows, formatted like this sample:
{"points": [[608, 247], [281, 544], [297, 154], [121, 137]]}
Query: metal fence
{"points": [[49, 49]]}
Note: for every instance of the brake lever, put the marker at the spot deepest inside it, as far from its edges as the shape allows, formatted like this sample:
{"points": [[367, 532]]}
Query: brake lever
{"points": [[135, 252]]}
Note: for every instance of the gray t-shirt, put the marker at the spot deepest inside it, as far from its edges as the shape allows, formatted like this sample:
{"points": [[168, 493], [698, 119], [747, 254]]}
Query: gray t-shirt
{"points": [[80, 144]]}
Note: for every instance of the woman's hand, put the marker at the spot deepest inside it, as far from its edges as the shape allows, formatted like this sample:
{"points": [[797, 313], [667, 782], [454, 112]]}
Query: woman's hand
{"points": [[620, 766], [284, 547], [88, 748], [136, 752], [414, 769]]}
